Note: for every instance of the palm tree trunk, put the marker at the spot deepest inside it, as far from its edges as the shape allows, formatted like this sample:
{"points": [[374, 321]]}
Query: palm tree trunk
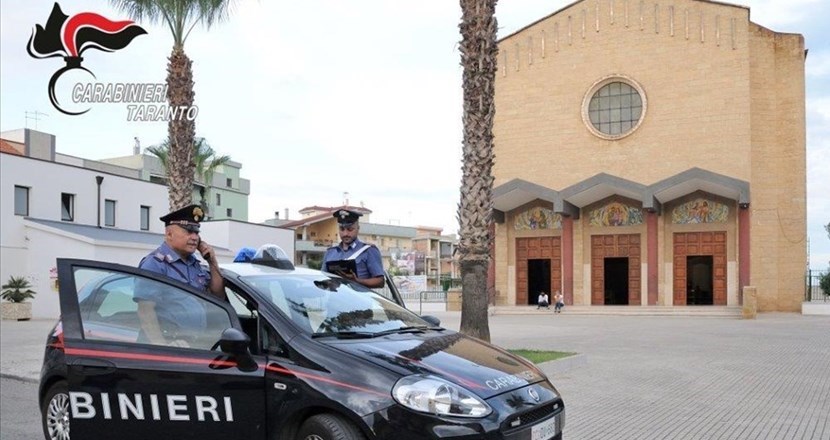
{"points": [[479, 53], [181, 132]]}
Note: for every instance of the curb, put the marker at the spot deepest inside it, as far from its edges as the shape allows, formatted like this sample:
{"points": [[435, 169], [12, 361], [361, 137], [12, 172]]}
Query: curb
{"points": [[18, 378], [561, 366]]}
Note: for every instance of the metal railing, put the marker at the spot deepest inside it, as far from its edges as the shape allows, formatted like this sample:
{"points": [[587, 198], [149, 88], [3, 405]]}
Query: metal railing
{"points": [[812, 288], [425, 296]]}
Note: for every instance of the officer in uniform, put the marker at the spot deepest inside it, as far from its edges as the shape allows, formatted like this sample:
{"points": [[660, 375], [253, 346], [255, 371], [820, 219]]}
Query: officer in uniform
{"points": [[367, 256], [175, 258]]}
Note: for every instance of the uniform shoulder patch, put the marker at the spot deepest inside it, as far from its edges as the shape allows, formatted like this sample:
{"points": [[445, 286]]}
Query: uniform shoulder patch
{"points": [[159, 256]]}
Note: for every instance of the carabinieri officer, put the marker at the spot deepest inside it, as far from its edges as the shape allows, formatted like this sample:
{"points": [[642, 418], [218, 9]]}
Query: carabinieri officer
{"points": [[175, 258], [367, 256]]}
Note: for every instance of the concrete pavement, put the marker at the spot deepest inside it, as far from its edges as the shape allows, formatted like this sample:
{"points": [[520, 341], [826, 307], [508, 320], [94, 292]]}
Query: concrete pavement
{"points": [[684, 377], [639, 377], [22, 344]]}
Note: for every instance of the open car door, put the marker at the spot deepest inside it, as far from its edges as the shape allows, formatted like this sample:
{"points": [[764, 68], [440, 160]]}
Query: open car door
{"points": [[123, 386], [390, 290]]}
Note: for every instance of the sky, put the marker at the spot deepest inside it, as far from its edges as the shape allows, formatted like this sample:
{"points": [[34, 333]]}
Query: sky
{"points": [[319, 98]]}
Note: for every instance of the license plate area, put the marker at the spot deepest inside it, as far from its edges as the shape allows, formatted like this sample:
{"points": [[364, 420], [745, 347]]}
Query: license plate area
{"points": [[544, 430]]}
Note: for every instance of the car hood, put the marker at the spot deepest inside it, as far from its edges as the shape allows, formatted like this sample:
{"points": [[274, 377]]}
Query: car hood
{"points": [[473, 364]]}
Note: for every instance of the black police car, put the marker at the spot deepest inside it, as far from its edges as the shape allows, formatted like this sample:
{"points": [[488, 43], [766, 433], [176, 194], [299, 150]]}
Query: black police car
{"points": [[293, 354]]}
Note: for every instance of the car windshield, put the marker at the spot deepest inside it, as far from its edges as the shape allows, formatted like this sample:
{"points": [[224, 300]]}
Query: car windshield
{"points": [[333, 306]]}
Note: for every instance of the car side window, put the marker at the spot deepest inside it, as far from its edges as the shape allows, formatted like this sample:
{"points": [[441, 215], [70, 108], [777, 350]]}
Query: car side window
{"points": [[273, 343], [109, 303], [264, 339], [385, 291]]}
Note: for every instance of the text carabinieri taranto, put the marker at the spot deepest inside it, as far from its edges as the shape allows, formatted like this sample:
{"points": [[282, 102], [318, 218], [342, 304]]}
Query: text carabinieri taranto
{"points": [[145, 101]]}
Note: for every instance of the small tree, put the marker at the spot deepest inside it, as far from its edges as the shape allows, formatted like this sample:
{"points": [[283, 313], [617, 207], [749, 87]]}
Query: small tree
{"points": [[824, 283], [17, 290], [315, 263], [206, 160], [824, 280]]}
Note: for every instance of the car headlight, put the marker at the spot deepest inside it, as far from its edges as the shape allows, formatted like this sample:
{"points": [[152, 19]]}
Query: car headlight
{"points": [[436, 396]]}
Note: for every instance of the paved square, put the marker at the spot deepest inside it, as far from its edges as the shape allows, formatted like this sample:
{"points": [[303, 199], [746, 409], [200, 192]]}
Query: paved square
{"points": [[639, 377], [682, 377]]}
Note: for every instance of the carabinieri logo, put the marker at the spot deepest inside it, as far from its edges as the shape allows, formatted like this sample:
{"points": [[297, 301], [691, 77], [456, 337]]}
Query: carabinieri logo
{"points": [[69, 37]]}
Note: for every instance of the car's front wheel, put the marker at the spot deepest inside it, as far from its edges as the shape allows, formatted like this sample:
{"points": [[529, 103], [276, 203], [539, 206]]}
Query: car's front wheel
{"points": [[329, 427], [55, 412]]}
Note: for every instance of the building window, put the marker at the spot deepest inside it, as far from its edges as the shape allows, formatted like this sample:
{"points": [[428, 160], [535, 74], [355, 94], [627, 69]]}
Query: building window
{"points": [[230, 212], [614, 107], [109, 212], [218, 199], [145, 218], [229, 182], [21, 200], [67, 207]]}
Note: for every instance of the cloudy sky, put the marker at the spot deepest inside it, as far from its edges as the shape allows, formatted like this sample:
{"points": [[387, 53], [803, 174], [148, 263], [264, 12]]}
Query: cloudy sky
{"points": [[320, 97]]}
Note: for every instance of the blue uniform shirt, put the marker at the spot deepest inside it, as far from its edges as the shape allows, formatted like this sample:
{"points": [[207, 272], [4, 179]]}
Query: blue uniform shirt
{"points": [[167, 262], [173, 306], [369, 264]]}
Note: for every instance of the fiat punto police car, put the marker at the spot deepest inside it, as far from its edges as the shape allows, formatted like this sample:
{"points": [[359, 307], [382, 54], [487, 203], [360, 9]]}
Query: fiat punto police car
{"points": [[294, 353]]}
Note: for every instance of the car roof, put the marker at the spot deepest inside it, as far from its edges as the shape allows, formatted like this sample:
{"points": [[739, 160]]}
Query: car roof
{"points": [[250, 269]]}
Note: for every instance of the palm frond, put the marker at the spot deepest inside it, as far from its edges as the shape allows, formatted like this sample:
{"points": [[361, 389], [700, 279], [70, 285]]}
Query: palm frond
{"points": [[162, 152], [180, 16], [17, 289]]}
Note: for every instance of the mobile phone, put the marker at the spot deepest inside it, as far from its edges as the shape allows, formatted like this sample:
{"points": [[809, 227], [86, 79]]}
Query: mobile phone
{"points": [[205, 256]]}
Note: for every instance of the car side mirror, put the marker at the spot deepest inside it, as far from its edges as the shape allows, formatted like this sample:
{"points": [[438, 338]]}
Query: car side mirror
{"points": [[432, 320], [235, 343]]}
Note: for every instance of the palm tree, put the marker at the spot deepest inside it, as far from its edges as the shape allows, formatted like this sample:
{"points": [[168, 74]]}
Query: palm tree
{"points": [[17, 290], [180, 16], [205, 161], [479, 53]]}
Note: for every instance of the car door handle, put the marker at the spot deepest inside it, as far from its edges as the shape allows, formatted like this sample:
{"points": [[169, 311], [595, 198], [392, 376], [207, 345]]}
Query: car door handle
{"points": [[94, 367]]}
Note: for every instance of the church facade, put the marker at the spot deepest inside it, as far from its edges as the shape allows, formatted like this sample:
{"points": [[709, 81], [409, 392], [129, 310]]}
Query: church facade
{"points": [[650, 153]]}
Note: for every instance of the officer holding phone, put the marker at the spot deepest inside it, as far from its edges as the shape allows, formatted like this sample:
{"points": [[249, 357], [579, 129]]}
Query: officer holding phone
{"points": [[367, 260], [175, 258]]}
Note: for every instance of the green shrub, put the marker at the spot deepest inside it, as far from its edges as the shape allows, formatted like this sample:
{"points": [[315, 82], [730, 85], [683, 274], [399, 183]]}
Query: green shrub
{"points": [[314, 263], [17, 290], [824, 283]]}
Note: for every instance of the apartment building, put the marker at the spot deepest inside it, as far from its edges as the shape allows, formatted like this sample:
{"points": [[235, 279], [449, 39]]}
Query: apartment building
{"points": [[406, 250], [58, 206]]}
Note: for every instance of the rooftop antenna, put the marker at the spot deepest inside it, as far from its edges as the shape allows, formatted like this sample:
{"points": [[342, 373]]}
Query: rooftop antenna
{"points": [[35, 116], [137, 148]]}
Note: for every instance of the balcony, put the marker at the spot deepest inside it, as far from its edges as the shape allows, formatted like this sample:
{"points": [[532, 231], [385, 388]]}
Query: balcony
{"points": [[313, 245]]}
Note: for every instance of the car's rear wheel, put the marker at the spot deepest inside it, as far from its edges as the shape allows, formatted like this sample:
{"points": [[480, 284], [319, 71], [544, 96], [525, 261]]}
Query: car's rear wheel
{"points": [[329, 427], [55, 412]]}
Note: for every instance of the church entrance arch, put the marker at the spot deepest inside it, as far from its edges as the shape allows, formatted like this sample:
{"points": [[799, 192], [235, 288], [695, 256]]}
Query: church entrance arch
{"points": [[615, 269], [699, 262], [538, 264]]}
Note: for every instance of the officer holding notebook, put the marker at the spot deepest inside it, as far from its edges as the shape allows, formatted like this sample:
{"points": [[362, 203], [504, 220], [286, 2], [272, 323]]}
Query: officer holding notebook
{"points": [[351, 258]]}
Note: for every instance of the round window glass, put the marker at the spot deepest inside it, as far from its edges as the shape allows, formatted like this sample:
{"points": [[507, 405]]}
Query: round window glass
{"points": [[615, 108]]}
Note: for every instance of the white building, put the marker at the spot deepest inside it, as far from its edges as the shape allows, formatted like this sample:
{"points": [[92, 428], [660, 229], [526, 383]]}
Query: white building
{"points": [[224, 197], [55, 206]]}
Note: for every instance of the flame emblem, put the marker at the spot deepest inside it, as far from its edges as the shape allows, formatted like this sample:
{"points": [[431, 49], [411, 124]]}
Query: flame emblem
{"points": [[69, 37]]}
